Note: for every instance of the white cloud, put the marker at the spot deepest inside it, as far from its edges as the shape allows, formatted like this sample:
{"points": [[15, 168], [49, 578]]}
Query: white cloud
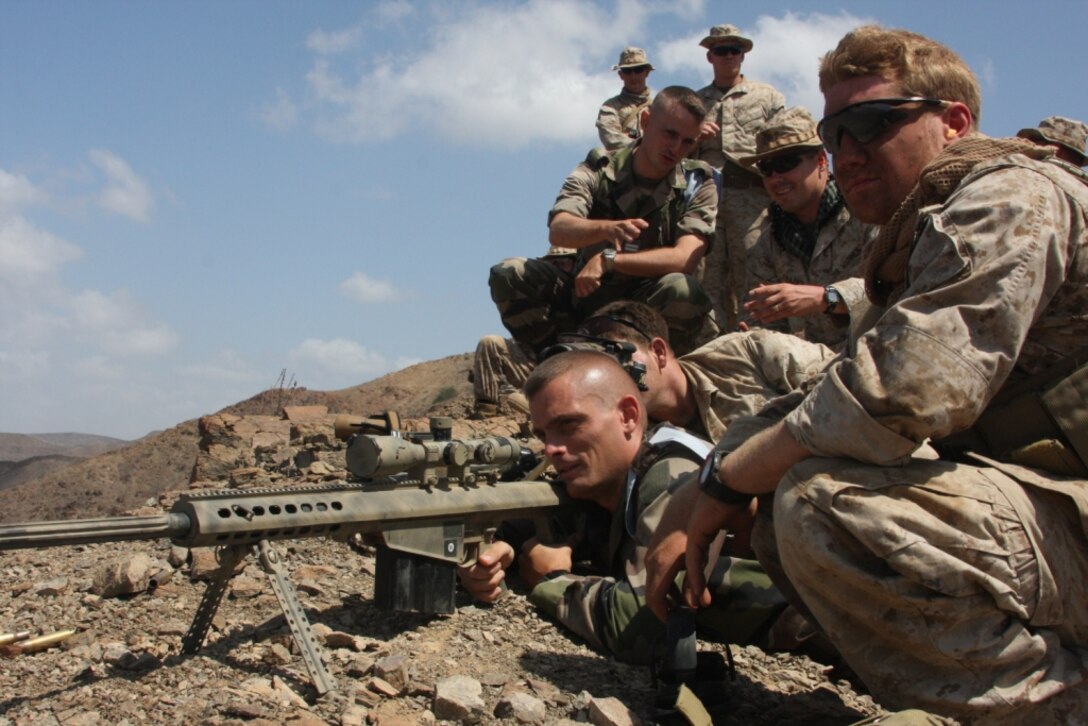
{"points": [[125, 193], [280, 114], [365, 289], [118, 324], [28, 253], [16, 191], [339, 41], [392, 11], [336, 363], [481, 78]]}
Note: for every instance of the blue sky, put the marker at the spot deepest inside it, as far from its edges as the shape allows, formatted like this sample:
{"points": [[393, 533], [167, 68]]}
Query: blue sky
{"points": [[197, 195]]}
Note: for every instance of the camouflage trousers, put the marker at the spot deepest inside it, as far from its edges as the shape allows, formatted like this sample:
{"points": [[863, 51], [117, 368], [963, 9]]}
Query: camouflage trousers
{"points": [[536, 302], [959, 589], [499, 363], [612, 615], [725, 269]]}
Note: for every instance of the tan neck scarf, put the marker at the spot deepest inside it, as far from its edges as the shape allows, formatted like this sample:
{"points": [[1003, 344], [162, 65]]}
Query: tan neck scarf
{"points": [[885, 261]]}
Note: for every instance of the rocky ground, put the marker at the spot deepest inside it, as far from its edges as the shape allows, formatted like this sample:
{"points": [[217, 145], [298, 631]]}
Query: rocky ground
{"points": [[491, 665]]}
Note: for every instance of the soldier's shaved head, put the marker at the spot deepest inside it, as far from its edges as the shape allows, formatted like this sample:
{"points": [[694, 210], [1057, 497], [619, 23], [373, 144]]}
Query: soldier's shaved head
{"points": [[591, 374]]}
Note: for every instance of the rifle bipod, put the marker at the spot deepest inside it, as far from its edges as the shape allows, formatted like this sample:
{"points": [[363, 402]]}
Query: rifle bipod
{"points": [[229, 556]]}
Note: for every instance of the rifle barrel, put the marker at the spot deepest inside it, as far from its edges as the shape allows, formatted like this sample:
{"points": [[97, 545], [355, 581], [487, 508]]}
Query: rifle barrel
{"points": [[89, 531]]}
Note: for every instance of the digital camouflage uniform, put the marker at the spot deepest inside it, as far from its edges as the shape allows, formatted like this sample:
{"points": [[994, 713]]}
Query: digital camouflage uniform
{"points": [[537, 302], [957, 587], [835, 258], [618, 121], [736, 374], [739, 112], [609, 610]]}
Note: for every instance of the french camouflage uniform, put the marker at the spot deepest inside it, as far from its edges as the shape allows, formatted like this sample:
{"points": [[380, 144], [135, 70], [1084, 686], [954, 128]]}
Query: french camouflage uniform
{"points": [[735, 374], [740, 112], [499, 367], [537, 302], [840, 243], [957, 585], [619, 122], [609, 609]]}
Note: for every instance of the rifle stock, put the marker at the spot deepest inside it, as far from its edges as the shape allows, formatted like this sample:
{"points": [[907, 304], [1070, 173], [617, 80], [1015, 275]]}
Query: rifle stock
{"points": [[426, 503]]}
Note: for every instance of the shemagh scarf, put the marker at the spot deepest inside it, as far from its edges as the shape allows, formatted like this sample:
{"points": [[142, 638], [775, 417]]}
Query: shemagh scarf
{"points": [[798, 238], [885, 261]]}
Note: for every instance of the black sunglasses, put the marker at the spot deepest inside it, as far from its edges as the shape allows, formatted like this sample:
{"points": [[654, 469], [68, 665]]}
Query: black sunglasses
{"points": [[726, 50], [868, 119], [632, 71], [779, 164]]}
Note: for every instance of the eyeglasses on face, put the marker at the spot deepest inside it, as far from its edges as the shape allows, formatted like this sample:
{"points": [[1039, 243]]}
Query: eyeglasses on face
{"points": [[780, 164], [635, 70], [726, 50], [867, 120]]}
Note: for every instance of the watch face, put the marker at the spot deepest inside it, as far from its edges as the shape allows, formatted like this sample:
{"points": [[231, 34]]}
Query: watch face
{"points": [[710, 468]]}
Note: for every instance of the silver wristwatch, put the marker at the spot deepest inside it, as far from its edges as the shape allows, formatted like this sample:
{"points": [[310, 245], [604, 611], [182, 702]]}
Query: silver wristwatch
{"points": [[608, 259]]}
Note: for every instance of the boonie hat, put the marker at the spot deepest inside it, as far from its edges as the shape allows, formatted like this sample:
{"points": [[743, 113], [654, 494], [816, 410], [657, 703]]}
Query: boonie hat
{"points": [[1065, 132], [632, 57], [791, 129], [726, 34]]}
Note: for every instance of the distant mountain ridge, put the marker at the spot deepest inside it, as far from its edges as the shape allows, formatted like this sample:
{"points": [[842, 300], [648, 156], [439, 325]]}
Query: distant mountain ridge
{"points": [[17, 447]]}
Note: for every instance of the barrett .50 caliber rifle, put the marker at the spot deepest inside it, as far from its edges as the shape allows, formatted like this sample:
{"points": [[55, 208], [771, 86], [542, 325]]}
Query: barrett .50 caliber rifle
{"points": [[425, 501]]}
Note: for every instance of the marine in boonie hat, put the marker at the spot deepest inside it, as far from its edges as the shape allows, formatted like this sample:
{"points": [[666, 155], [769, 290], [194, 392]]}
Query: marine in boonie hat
{"points": [[1068, 134], [726, 35], [793, 129], [632, 57]]}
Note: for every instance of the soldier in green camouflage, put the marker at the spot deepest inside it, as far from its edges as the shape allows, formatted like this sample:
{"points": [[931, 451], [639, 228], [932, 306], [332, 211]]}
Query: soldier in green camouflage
{"points": [[588, 413], [641, 219]]}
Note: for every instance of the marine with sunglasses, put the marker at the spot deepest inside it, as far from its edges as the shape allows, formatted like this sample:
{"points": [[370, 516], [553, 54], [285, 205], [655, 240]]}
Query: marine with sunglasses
{"points": [[618, 121], [736, 108], [958, 585], [803, 275]]}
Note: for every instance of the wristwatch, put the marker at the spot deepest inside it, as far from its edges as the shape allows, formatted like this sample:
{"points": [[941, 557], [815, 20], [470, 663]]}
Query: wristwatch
{"points": [[712, 485], [832, 298], [608, 259]]}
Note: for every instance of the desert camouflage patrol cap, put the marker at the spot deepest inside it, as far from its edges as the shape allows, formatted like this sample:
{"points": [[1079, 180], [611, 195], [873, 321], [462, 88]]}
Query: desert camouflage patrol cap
{"points": [[792, 129], [632, 57], [726, 34], [1065, 132]]}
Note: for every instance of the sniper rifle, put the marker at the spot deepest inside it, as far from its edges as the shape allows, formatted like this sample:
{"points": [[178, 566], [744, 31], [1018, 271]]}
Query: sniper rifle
{"points": [[425, 501]]}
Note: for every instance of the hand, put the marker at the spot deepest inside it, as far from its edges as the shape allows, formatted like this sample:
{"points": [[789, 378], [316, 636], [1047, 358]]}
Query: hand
{"points": [[483, 580], [665, 555], [621, 231], [588, 279], [537, 560], [708, 518], [770, 303], [708, 129]]}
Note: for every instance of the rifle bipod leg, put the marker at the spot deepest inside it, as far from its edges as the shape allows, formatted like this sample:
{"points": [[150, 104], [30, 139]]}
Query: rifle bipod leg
{"points": [[296, 618], [229, 557]]}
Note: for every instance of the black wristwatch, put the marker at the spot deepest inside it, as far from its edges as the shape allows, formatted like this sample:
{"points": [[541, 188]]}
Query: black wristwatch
{"points": [[608, 259], [832, 298], [712, 486]]}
